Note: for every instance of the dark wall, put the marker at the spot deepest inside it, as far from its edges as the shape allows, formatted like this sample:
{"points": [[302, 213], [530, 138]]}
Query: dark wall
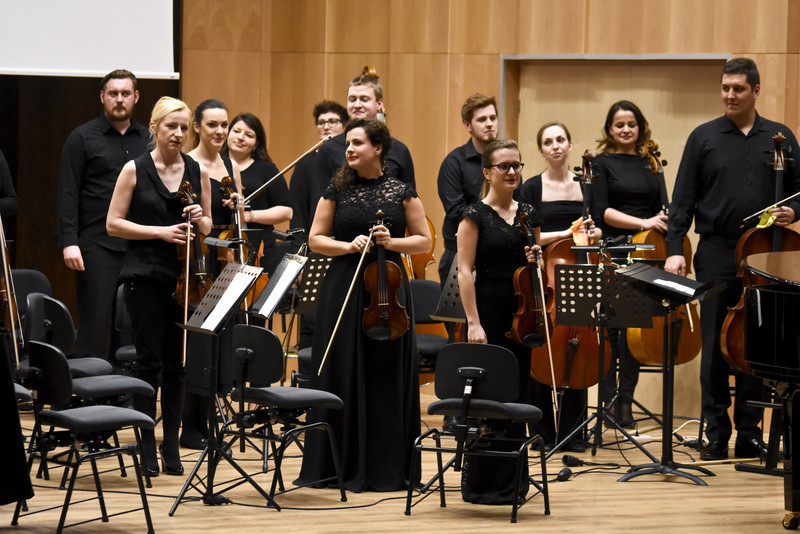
{"points": [[37, 115]]}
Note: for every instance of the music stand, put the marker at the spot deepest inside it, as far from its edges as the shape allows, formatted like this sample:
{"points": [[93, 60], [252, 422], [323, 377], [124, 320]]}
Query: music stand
{"points": [[670, 291], [593, 295], [224, 297], [449, 308], [313, 274], [279, 283]]}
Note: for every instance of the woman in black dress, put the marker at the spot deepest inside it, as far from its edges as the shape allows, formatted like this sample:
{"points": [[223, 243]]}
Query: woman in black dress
{"points": [[377, 380], [559, 199], [247, 147], [146, 209], [627, 201], [492, 243]]}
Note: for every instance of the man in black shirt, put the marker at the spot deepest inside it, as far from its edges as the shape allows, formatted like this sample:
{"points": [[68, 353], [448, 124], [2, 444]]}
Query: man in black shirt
{"points": [[91, 161], [364, 99], [461, 173], [724, 176]]}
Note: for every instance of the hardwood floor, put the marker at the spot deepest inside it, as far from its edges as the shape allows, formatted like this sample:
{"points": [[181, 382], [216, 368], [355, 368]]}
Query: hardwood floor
{"points": [[590, 501]]}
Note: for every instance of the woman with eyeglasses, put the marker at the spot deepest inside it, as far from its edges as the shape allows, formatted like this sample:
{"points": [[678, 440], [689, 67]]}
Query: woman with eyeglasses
{"points": [[247, 146], [627, 201], [492, 243]]}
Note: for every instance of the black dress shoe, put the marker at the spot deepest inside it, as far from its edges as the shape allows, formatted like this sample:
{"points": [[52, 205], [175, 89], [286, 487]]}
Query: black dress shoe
{"points": [[750, 448], [171, 467], [150, 471], [716, 450]]}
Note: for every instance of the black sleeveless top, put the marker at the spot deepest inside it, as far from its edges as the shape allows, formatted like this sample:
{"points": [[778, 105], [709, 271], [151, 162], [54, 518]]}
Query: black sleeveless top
{"points": [[219, 213], [152, 204]]}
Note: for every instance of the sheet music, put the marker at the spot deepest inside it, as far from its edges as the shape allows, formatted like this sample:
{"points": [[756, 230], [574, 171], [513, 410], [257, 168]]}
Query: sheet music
{"points": [[674, 286], [283, 277], [239, 285]]}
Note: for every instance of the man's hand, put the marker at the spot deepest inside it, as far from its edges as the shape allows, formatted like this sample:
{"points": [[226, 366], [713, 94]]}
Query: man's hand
{"points": [[676, 265], [73, 258]]}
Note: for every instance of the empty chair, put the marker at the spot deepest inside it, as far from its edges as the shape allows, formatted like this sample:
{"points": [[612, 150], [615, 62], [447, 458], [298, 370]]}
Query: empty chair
{"points": [[48, 320], [87, 428], [259, 356], [474, 383], [425, 294], [27, 281]]}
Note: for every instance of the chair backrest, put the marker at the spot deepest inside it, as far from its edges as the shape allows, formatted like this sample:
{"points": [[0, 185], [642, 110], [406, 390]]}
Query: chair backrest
{"points": [[27, 281], [49, 321], [122, 320], [52, 383], [265, 363], [500, 383], [425, 294]]}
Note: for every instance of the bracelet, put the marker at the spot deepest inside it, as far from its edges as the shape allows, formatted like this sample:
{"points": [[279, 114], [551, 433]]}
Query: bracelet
{"points": [[643, 220]]}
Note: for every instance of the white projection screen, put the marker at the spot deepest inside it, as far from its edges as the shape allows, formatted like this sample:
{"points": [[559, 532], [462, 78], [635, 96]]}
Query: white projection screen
{"points": [[86, 37]]}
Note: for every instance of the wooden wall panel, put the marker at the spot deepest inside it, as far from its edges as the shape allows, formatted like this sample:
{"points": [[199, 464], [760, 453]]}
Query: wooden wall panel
{"points": [[423, 28], [229, 25], [233, 77], [547, 27], [355, 26], [484, 27], [299, 26]]}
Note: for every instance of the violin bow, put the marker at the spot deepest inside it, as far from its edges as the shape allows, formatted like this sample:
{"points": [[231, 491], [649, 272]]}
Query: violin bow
{"points": [[346, 300], [525, 220]]}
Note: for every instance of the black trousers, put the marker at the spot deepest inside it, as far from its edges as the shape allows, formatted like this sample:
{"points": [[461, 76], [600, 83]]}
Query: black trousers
{"points": [[715, 261], [96, 291]]}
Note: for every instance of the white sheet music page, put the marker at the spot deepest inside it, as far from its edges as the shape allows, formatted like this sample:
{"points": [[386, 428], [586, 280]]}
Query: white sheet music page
{"points": [[237, 288]]}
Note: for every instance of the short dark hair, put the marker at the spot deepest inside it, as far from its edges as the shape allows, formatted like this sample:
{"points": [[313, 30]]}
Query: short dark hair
{"points": [[254, 123], [607, 143], [119, 74], [743, 65], [378, 134], [329, 106], [474, 102]]}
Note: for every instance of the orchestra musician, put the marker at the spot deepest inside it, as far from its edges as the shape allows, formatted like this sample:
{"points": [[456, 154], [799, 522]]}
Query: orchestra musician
{"points": [[210, 125], [247, 146], [492, 243], [723, 178], [558, 197], [146, 209], [627, 201], [376, 379]]}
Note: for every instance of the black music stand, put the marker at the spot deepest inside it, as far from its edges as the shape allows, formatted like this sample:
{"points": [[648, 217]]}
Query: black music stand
{"points": [[449, 308], [311, 283], [224, 297], [593, 295], [670, 291]]}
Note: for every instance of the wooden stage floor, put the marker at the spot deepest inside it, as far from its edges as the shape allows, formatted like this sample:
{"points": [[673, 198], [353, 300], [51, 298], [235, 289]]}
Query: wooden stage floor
{"points": [[590, 501]]}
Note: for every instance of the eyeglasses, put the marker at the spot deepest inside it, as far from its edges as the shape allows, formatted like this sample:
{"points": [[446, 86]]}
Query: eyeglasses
{"points": [[330, 122], [505, 167]]}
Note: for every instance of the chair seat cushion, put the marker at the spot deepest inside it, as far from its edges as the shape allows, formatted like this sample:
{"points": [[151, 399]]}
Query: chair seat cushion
{"points": [[80, 367], [289, 398], [95, 418], [486, 409], [98, 387], [21, 393], [430, 344], [126, 354]]}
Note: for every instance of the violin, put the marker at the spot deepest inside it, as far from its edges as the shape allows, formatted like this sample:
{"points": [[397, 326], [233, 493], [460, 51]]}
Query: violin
{"points": [[647, 344], [384, 318], [755, 241], [194, 271], [11, 321], [235, 230], [530, 319], [575, 349]]}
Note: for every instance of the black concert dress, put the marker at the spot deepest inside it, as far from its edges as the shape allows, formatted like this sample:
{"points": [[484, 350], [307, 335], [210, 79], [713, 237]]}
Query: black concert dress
{"points": [[377, 380], [500, 252]]}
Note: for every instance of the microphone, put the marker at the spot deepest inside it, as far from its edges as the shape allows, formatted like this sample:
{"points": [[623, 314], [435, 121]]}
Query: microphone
{"points": [[572, 461], [563, 475]]}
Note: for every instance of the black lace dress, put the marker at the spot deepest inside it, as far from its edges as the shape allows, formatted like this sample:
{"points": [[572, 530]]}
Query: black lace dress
{"points": [[377, 380], [500, 251]]}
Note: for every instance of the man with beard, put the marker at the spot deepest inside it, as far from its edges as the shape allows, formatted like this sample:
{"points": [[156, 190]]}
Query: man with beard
{"points": [[461, 173], [91, 160]]}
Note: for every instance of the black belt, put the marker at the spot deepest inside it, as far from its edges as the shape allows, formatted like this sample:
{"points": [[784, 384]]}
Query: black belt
{"points": [[719, 240]]}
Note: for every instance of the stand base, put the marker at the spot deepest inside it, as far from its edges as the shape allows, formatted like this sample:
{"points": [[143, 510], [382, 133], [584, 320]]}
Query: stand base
{"points": [[760, 469], [666, 468]]}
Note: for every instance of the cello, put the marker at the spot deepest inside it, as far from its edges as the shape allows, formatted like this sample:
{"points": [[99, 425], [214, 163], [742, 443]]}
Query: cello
{"points": [[385, 318], [576, 349], [762, 238], [647, 344]]}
